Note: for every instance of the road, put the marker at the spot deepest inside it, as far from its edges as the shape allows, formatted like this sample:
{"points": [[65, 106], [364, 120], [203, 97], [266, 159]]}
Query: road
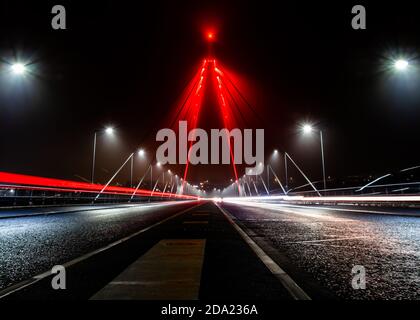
{"points": [[315, 246], [320, 245], [32, 244]]}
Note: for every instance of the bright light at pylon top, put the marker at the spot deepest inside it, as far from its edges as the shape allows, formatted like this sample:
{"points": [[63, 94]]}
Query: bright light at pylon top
{"points": [[210, 36]]}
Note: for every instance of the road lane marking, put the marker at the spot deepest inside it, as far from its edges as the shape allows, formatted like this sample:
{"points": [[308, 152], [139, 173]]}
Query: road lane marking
{"points": [[328, 240], [291, 286], [368, 210], [283, 208], [365, 211], [170, 270], [327, 245], [26, 283]]}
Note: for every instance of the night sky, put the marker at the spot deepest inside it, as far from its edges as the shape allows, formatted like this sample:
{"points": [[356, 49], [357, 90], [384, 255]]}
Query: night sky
{"points": [[126, 65]]}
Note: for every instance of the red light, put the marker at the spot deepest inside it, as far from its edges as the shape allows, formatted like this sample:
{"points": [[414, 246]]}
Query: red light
{"points": [[25, 182], [210, 36]]}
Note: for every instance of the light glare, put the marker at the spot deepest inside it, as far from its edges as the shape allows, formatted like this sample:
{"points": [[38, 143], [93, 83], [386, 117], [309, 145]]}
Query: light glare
{"points": [[401, 65], [18, 68], [307, 128]]}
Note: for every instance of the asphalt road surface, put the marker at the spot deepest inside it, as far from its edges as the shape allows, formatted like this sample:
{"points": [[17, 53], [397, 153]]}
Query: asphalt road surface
{"points": [[33, 244], [316, 246], [230, 269]]}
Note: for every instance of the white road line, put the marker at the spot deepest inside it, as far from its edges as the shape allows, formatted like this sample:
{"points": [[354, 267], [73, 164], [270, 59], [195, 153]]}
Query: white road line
{"points": [[328, 240], [279, 206], [291, 286], [26, 283], [364, 211], [284, 208]]}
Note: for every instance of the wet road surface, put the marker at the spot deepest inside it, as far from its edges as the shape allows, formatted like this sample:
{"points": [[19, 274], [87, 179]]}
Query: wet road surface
{"points": [[323, 245], [32, 245], [316, 246]]}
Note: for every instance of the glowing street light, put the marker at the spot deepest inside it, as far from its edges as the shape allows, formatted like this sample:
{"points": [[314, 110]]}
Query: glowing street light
{"points": [[141, 153], [401, 65], [18, 68], [109, 131], [308, 129]]}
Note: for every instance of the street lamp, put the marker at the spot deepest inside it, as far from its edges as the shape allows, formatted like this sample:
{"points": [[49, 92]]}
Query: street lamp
{"points": [[308, 129], [18, 68], [141, 153], [401, 65], [108, 131], [158, 165]]}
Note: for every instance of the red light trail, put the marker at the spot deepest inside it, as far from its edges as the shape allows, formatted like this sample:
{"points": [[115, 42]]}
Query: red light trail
{"points": [[26, 182]]}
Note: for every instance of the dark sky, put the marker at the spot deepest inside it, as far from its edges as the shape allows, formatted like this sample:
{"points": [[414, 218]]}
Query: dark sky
{"points": [[126, 65]]}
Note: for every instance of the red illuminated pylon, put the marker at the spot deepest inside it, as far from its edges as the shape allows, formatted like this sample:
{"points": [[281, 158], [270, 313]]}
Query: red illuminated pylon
{"points": [[195, 100]]}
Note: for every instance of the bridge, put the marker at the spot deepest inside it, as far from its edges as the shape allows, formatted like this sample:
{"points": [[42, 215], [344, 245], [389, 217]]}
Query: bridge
{"points": [[157, 243], [259, 237], [151, 228]]}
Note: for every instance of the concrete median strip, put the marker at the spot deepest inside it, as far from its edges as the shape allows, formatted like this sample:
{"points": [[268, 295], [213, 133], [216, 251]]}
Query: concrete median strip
{"points": [[291, 286], [170, 270]]}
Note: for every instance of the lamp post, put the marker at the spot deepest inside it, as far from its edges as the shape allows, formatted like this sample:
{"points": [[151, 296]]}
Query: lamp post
{"points": [[141, 153], [108, 131], [307, 129]]}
